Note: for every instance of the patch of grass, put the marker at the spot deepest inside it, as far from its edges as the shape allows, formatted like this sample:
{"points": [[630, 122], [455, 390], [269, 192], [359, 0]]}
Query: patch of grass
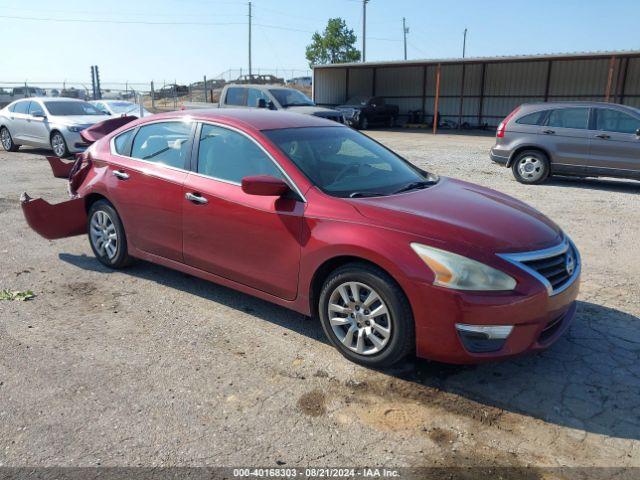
{"points": [[22, 296]]}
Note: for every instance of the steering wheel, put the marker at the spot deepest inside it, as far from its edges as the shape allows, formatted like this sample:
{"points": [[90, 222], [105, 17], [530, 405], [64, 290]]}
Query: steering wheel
{"points": [[345, 169]]}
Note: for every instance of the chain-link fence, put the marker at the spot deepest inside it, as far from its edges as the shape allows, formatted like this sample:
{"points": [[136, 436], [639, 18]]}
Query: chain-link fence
{"points": [[155, 96]]}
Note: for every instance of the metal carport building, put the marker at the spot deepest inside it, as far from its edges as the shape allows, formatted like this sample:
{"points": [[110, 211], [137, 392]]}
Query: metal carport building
{"points": [[482, 91]]}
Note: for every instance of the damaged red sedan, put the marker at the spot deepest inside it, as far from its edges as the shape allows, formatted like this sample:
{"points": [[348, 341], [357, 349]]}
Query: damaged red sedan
{"points": [[319, 218]]}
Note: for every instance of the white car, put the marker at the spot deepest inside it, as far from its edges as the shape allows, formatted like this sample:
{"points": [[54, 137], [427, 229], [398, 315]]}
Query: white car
{"points": [[117, 108], [53, 123]]}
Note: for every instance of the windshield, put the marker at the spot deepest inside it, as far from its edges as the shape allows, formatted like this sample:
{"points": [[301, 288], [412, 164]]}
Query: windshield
{"points": [[345, 163], [357, 101], [122, 107], [72, 108], [291, 98]]}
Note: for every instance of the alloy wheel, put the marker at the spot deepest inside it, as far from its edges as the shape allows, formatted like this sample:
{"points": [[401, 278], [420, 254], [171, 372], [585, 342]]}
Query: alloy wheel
{"points": [[359, 318], [58, 145], [531, 168], [104, 236], [5, 136]]}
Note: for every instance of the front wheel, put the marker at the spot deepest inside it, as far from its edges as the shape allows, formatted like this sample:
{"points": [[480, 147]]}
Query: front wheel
{"points": [[531, 167], [366, 316], [7, 140], [59, 145], [106, 235]]}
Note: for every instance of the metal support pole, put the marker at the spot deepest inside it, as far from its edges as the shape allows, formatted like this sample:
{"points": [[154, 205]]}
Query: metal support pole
{"points": [[205, 89], [461, 97], [464, 43], [484, 69], [249, 40], [612, 65], [436, 101], [405, 30], [364, 30], [153, 97]]}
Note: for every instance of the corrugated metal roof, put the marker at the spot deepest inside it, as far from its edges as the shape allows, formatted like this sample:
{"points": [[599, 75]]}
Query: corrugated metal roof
{"points": [[513, 58]]}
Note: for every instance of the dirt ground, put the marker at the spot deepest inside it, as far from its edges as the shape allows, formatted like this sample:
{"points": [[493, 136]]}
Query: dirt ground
{"points": [[150, 367]]}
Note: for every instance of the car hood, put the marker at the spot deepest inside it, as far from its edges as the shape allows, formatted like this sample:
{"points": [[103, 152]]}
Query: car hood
{"points": [[311, 110], [468, 215], [78, 119]]}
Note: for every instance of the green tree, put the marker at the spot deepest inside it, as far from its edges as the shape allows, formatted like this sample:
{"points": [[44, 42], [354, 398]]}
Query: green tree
{"points": [[335, 45]]}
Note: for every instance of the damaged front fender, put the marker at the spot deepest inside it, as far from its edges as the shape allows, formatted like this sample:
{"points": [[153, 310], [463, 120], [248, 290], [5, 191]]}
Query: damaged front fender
{"points": [[65, 219]]}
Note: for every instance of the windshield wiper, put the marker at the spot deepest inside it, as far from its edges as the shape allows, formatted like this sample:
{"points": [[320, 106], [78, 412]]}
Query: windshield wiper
{"points": [[365, 194], [415, 185]]}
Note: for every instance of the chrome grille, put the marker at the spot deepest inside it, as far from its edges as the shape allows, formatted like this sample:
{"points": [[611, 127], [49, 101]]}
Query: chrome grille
{"points": [[556, 267]]}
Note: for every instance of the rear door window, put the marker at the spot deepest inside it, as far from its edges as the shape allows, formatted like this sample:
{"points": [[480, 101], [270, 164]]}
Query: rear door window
{"points": [[165, 142], [577, 118], [609, 120], [236, 96], [122, 142]]}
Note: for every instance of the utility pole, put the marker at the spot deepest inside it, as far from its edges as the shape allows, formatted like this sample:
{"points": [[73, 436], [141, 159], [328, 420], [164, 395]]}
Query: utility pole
{"points": [[464, 43], [405, 30], [249, 40], [364, 30]]}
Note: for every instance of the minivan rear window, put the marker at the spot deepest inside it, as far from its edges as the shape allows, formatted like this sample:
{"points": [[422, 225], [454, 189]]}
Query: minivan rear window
{"points": [[535, 118]]}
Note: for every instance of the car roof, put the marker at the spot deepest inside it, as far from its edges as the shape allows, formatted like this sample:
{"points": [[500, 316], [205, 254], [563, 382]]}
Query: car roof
{"points": [[256, 118], [577, 103], [259, 86]]}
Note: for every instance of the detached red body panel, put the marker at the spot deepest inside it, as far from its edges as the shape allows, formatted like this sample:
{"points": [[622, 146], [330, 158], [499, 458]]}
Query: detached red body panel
{"points": [[59, 167], [243, 235]]}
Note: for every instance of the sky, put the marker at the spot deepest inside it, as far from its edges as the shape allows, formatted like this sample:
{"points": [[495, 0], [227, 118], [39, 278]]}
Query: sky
{"points": [[167, 40]]}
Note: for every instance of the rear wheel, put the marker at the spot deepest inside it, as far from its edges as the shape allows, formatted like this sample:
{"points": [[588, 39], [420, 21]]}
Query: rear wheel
{"points": [[106, 235], [366, 316], [59, 145], [531, 167], [7, 140]]}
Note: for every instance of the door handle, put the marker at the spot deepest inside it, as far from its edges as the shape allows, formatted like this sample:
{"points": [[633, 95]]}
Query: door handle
{"points": [[548, 132], [604, 136], [196, 198], [120, 175]]}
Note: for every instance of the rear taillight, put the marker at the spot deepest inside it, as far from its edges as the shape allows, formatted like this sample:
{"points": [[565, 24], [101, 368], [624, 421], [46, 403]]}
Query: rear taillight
{"points": [[503, 124]]}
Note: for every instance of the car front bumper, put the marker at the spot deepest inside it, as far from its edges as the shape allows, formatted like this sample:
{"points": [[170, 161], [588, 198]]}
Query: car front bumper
{"points": [[538, 320]]}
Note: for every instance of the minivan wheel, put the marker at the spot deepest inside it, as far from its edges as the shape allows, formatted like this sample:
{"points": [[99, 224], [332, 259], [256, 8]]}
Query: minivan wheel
{"points": [[366, 316], [59, 145], [7, 141], [106, 235], [531, 167]]}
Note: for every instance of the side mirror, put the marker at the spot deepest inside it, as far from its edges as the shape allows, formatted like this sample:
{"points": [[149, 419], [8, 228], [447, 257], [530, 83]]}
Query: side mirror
{"points": [[38, 115], [638, 132], [264, 185], [271, 105], [262, 103]]}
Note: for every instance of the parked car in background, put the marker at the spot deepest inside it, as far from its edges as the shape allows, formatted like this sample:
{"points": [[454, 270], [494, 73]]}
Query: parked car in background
{"points": [[117, 108], [317, 217], [271, 97], [300, 81], [363, 112], [585, 139], [48, 123], [25, 92]]}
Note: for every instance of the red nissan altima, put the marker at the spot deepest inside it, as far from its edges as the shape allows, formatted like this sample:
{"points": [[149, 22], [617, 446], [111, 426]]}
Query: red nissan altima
{"points": [[319, 218]]}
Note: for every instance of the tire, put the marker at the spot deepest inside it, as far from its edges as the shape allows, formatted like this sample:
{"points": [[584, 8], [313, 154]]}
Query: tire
{"points": [[531, 167], [7, 140], [363, 123], [391, 122], [59, 145], [344, 323], [103, 221]]}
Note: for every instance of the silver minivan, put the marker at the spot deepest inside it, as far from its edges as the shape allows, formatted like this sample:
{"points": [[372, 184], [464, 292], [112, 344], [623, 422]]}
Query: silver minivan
{"points": [[586, 139]]}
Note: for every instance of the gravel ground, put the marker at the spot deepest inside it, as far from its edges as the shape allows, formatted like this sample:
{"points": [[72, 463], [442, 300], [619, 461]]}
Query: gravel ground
{"points": [[151, 367]]}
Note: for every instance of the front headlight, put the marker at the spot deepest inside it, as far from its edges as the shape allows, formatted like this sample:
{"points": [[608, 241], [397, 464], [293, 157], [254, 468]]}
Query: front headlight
{"points": [[461, 273], [75, 128]]}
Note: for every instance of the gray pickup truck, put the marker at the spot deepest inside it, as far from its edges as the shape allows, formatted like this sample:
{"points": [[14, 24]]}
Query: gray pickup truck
{"points": [[273, 97]]}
